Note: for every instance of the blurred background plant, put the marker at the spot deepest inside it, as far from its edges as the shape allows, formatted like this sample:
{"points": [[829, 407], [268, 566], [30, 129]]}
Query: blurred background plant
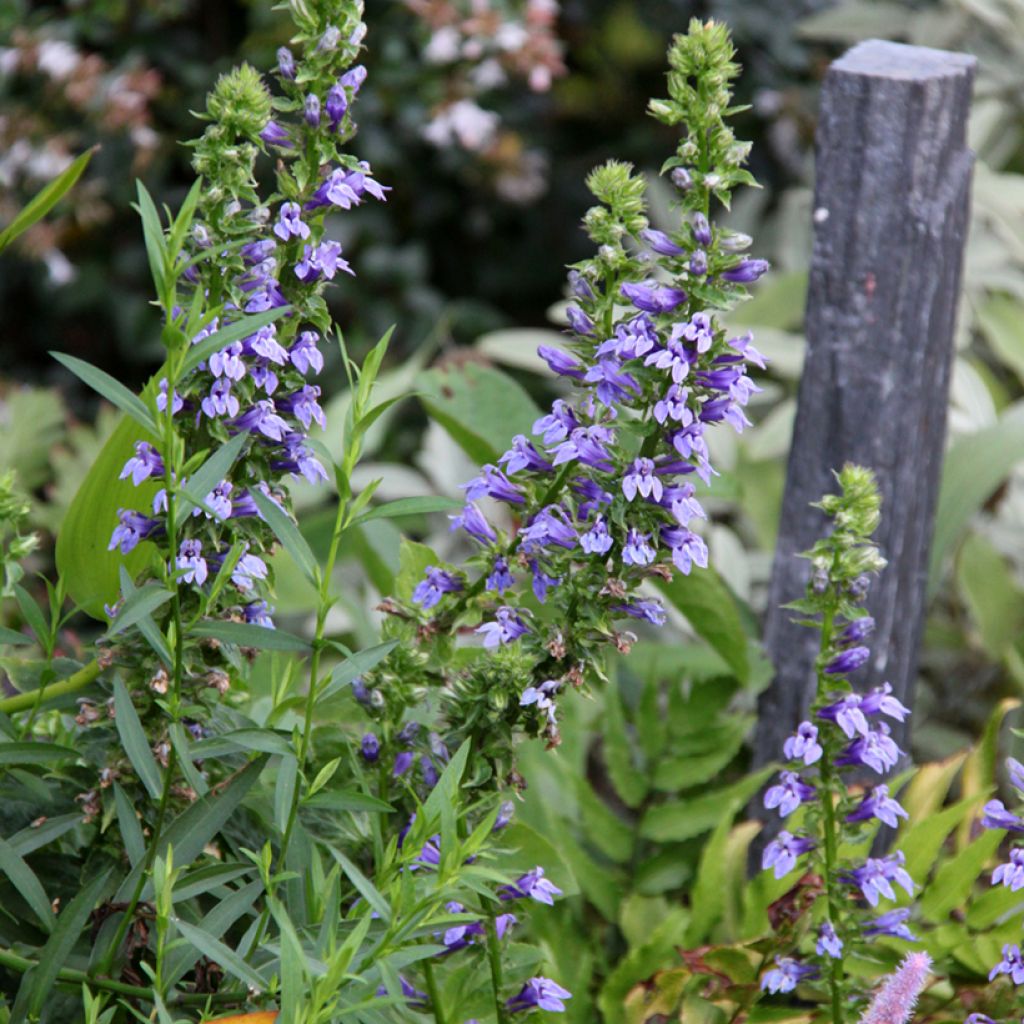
{"points": [[486, 115]]}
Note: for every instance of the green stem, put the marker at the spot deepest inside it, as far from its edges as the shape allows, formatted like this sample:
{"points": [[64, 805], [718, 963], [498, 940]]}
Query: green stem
{"points": [[836, 972], [70, 976], [435, 1000], [78, 681], [494, 960]]}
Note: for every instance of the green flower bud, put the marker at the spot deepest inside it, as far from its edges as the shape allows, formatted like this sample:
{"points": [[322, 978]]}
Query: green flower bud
{"points": [[240, 102]]}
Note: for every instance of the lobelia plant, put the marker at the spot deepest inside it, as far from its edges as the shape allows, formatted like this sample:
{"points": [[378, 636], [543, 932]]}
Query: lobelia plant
{"points": [[845, 735], [328, 837]]}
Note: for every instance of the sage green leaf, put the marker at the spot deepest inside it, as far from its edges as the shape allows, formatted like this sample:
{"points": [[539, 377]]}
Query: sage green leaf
{"points": [[211, 472], [481, 408], [153, 233], [362, 661], [363, 885], [233, 332], [128, 823], [134, 741], [13, 638], [112, 390], [408, 507], [138, 605], [35, 837], [35, 753]]}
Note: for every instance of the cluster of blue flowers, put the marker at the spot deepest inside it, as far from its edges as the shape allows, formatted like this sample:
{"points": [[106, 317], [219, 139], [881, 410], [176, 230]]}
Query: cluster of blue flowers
{"points": [[259, 384], [828, 753]]}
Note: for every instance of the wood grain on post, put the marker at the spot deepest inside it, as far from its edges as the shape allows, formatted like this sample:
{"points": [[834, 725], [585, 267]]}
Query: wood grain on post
{"points": [[890, 224]]}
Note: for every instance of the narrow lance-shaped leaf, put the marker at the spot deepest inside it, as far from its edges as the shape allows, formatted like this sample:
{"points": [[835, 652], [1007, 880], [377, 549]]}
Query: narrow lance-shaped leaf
{"points": [[288, 534], [112, 390], [134, 741]]}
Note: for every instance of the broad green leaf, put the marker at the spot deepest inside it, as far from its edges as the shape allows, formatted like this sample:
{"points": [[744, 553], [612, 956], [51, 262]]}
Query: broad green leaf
{"points": [[45, 200], [413, 559], [926, 792], [112, 390], [71, 925], [288, 534], [630, 783], [90, 571], [408, 507], [221, 954], [25, 882], [995, 602], [711, 610], [979, 773], [976, 464], [35, 753], [606, 830], [955, 879], [246, 635], [922, 839], [480, 407], [134, 741], [683, 819]]}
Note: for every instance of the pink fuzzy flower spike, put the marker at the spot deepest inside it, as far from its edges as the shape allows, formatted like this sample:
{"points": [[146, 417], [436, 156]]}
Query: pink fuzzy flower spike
{"points": [[895, 1000]]}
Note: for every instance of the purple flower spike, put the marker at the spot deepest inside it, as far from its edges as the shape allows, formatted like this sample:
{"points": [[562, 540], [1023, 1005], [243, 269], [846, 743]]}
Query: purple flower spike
{"points": [[274, 135], [786, 975], [533, 885], [429, 591], [579, 321], [507, 627], [523, 455], [995, 815], [286, 63], [701, 230], [312, 110], [500, 579], [746, 271], [597, 540], [403, 762], [828, 943], [370, 748], [1011, 964], [881, 701], [848, 714], [895, 1001], [322, 261], [304, 354], [637, 549], [539, 993], [875, 879], [847, 661], [492, 483], [878, 804], [191, 563], [858, 630], [893, 923], [803, 745], [336, 106], [661, 243], [788, 793], [651, 611], [782, 852], [653, 298], [640, 479], [145, 463]]}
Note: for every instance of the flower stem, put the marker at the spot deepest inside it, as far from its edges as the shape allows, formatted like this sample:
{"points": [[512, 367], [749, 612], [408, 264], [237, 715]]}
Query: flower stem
{"points": [[435, 1001], [494, 960], [78, 681]]}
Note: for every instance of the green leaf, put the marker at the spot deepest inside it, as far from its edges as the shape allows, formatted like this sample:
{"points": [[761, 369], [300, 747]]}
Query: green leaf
{"points": [[233, 332], [1001, 318], [288, 534], [134, 741], [363, 885], [45, 200], [24, 880], [976, 464], [128, 823], [922, 839], [955, 879], [199, 823], [71, 926], [13, 638], [413, 559], [221, 954], [89, 570], [153, 232], [137, 605], [147, 627], [33, 615], [112, 390], [293, 963], [684, 819], [32, 838], [362, 661], [630, 783], [246, 635], [212, 471], [711, 610], [480, 407], [995, 603], [408, 507], [35, 753]]}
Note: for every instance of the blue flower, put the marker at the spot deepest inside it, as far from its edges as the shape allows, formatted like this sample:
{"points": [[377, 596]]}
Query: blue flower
{"points": [[782, 852], [290, 223], [637, 549], [661, 243], [500, 578], [878, 804], [191, 563], [473, 522], [370, 748], [876, 750], [995, 815], [803, 745], [877, 875], [641, 479], [507, 626], [1012, 964], [893, 923], [533, 885], [437, 583], [786, 975], [131, 528], [828, 943], [788, 793], [539, 993]]}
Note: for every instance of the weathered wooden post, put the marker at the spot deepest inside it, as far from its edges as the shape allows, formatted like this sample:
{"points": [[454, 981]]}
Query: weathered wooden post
{"points": [[890, 223]]}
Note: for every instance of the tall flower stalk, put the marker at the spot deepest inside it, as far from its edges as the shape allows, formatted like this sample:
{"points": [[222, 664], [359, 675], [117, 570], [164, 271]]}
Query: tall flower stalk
{"points": [[846, 734]]}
